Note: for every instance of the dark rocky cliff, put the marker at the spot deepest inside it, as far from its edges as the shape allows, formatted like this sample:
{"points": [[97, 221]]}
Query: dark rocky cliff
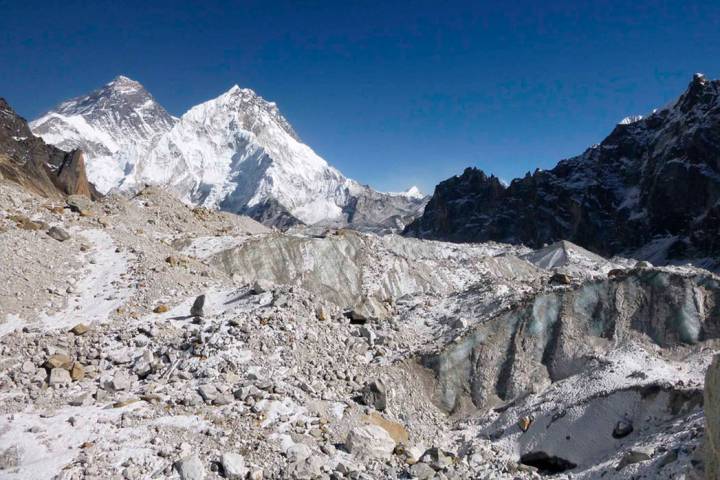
{"points": [[651, 188]]}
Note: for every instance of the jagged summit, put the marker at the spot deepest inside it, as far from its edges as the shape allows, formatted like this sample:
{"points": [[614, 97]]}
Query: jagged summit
{"points": [[113, 125], [255, 110], [653, 179]]}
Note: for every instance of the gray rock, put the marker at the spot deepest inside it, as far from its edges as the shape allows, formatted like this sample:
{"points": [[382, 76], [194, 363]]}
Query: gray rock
{"points": [[302, 463], [121, 381], [58, 234], [208, 392], [197, 307], [369, 442], [635, 455], [622, 429], [10, 458], [374, 394], [79, 203], [234, 466], [59, 376], [437, 458], [190, 468], [422, 471], [262, 286]]}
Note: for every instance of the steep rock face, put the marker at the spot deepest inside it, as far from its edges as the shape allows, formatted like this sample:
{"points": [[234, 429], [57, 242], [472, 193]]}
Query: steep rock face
{"points": [[712, 420], [651, 188], [113, 125], [557, 334], [40, 168], [235, 152]]}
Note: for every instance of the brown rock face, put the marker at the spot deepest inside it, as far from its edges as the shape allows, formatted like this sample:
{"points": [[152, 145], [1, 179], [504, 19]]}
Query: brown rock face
{"points": [[40, 168]]}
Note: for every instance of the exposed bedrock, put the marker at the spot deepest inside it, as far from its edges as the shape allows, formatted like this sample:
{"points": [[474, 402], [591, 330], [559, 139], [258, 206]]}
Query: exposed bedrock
{"points": [[556, 334], [712, 420]]}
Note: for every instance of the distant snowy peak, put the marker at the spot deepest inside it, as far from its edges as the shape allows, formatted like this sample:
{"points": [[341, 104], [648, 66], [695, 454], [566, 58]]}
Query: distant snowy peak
{"points": [[113, 125], [412, 192]]}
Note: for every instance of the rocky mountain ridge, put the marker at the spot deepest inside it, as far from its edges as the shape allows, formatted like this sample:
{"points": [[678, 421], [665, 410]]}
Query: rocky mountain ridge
{"points": [[236, 152], [651, 190], [38, 167]]}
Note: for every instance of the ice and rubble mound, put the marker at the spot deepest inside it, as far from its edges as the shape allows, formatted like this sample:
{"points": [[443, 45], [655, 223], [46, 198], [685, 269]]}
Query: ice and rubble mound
{"points": [[354, 270], [567, 257]]}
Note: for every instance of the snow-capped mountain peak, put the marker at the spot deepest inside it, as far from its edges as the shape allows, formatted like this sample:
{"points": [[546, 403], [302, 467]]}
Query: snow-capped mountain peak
{"points": [[235, 152], [114, 125], [412, 192]]}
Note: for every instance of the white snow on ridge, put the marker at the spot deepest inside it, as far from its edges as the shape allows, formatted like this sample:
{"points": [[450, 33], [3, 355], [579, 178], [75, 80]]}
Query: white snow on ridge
{"points": [[630, 119]]}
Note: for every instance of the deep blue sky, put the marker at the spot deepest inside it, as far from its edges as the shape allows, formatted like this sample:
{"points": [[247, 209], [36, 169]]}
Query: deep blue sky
{"points": [[392, 93]]}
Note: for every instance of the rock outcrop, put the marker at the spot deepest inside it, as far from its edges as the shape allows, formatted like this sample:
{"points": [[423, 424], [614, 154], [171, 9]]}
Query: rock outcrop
{"points": [[650, 189], [712, 420], [38, 167]]}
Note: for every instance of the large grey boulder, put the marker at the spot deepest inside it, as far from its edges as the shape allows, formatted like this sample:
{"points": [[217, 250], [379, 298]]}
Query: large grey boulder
{"points": [[370, 442], [190, 468]]}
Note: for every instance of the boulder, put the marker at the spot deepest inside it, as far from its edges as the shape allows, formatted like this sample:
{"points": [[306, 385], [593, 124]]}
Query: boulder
{"points": [[234, 466], [370, 442], [77, 372], [635, 455], [58, 234], [197, 307], [302, 463], [622, 429], [561, 279], [59, 376], [374, 394], [422, 471], [80, 329], [79, 204], [437, 458], [262, 286], [190, 468], [59, 360]]}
